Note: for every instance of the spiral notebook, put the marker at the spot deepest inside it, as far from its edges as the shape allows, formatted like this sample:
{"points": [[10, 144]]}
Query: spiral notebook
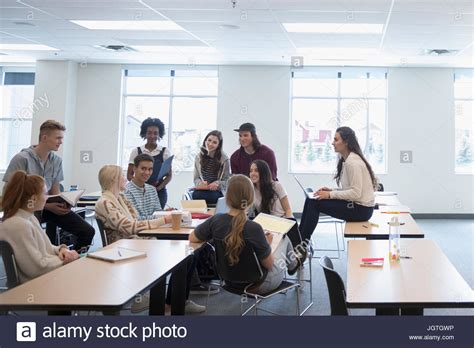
{"points": [[116, 254]]}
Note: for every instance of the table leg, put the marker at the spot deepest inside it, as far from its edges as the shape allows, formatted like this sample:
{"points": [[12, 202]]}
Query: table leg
{"points": [[157, 298], [178, 283]]}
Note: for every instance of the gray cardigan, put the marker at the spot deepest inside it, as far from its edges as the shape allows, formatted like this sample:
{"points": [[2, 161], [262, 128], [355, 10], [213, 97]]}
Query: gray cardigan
{"points": [[224, 170]]}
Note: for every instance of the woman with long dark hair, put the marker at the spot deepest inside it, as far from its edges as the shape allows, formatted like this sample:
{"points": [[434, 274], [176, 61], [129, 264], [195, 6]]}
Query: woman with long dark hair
{"points": [[270, 196], [211, 169], [353, 200]]}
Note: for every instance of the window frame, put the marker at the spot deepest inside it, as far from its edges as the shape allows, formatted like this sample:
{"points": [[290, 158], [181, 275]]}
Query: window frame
{"points": [[339, 100], [184, 71]]}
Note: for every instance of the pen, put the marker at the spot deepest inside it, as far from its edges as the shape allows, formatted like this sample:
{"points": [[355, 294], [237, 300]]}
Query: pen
{"points": [[120, 254], [406, 257]]}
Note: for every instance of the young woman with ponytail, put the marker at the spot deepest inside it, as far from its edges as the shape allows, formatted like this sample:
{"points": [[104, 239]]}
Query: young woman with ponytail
{"points": [[353, 200], [34, 254], [235, 230]]}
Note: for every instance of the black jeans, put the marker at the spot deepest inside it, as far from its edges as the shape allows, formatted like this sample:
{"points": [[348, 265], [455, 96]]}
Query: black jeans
{"points": [[191, 268], [163, 196], [340, 209], [71, 223], [209, 196]]}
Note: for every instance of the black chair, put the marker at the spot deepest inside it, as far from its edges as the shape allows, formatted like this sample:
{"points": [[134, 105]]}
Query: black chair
{"points": [[336, 290], [10, 264], [103, 235], [242, 278]]}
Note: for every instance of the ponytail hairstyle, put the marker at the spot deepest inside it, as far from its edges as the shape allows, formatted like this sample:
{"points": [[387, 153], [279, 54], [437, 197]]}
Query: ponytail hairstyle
{"points": [[267, 191], [218, 153], [18, 192], [239, 196], [349, 137]]}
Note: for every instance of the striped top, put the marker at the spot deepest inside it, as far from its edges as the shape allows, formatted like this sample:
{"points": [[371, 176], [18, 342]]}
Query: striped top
{"points": [[210, 170], [120, 218], [144, 199]]}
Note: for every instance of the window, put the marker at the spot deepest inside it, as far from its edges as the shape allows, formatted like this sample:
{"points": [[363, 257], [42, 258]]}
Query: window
{"points": [[17, 107], [324, 99], [186, 102], [463, 121]]}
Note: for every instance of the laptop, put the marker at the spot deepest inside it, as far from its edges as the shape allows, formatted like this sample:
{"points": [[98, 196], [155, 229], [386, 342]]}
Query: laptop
{"points": [[221, 206], [307, 191]]}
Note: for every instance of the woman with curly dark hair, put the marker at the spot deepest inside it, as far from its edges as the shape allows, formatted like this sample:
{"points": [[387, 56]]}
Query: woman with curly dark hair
{"points": [[152, 130], [211, 169]]}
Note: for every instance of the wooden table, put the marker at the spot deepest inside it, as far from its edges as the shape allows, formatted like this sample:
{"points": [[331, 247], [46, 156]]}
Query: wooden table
{"points": [[366, 229], [428, 280], [91, 284], [170, 234]]}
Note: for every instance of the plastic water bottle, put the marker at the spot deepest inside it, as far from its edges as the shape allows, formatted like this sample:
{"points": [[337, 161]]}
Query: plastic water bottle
{"points": [[394, 240]]}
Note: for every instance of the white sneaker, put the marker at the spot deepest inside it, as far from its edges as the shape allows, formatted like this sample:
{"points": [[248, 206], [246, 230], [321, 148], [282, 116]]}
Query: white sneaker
{"points": [[140, 303], [193, 307]]}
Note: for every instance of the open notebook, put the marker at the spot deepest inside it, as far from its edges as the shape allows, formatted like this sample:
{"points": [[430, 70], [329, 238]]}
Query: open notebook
{"points": [[276, 225], [116, 254], [194, 206]]}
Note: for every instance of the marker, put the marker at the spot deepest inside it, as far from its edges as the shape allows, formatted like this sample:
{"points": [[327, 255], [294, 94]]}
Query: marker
{"points": [[120, 254]]}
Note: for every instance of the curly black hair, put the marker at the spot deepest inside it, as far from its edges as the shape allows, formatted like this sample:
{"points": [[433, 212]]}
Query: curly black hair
{"points": [[152, 122]]}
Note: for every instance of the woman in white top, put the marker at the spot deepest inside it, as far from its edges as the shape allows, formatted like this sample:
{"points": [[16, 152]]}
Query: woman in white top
{"points": [[270, 196], [353, 200], [152, 130], [34, 253]]}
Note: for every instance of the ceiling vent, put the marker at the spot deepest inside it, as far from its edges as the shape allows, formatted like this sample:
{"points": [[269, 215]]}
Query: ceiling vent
{"points": [[116, 48], [439, 52]]}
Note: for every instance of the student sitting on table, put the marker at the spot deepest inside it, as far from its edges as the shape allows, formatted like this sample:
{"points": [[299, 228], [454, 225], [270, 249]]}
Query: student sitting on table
{"points": [[142, 195], [211, 169], [121, 221], [235, 230], [42, 160], [153, 130], [34, 254], [354, 199]]}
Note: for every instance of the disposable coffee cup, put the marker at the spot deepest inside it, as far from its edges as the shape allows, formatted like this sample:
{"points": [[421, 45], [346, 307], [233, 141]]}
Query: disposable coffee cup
{"points": [[176, 219]]}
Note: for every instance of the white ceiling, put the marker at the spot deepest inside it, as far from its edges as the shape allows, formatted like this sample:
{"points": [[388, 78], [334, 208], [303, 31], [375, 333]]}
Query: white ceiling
{"points": [[410, 27]]}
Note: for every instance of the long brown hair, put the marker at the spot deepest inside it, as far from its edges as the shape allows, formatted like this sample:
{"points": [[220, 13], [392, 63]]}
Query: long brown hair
{"points": [[239, 196], [268, 193], [217, 154], [18, 192], [349, 136]]}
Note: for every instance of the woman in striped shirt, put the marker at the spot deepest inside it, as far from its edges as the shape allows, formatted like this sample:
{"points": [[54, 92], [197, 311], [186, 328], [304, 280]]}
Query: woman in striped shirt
{"points": [[211, 169]]}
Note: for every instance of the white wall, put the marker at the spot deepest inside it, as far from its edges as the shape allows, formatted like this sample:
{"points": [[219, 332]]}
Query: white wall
{"points": [[420, 109]]}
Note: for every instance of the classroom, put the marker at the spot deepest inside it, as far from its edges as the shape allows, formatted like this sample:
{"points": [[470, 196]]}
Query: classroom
{"points": [[238, 157]]}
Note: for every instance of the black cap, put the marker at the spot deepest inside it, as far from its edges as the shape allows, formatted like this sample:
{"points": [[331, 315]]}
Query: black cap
{"points": [[246, 127]]}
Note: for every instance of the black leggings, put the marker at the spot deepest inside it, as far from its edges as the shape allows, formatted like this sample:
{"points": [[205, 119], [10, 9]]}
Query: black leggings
{"points": [[340, 209]]}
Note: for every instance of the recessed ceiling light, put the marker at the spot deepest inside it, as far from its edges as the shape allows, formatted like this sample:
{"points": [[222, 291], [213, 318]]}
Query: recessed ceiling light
{"points": [[15, 59], [26, 47], [337, 52], [128, 25], [175, 49], [229, 26], [24, 24], [334, 28], [115, 48]]}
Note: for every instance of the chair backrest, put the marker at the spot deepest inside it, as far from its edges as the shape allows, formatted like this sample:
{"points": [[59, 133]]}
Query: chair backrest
{"points": [[248, 270], [103, 236], [10, 264], [380, 187], [337, 292]]}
